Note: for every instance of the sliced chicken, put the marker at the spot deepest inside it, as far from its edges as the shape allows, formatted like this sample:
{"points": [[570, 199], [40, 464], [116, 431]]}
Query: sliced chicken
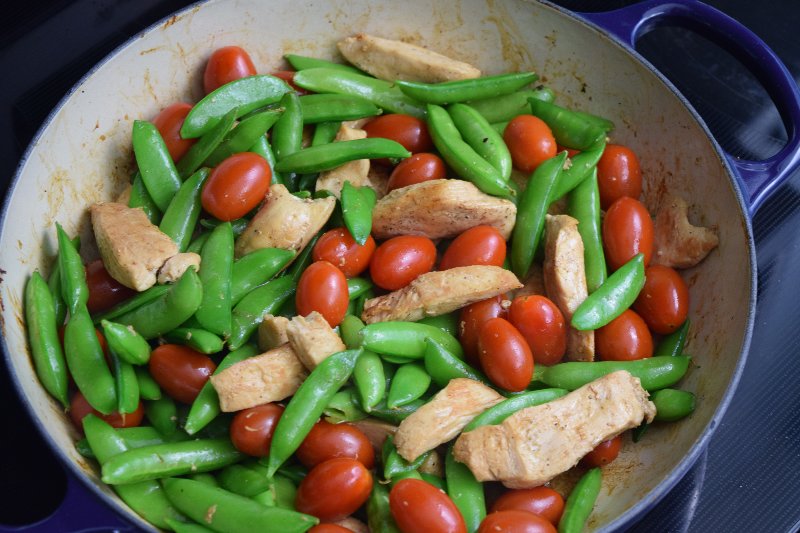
{"points": [[353, 524], [125, 195], [440, 209], [378, 179], [533, 284], [443, 417], [312, 339], [270, 377], [565, 279], [537, 443], [272, 332], [676, 242], [133, 249], [437, 293], [176, 265], [395, 60], [284, 221], [356, 172]]}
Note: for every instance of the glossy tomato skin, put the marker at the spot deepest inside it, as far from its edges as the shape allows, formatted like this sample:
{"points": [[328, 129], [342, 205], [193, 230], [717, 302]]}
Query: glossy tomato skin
{"points": [[168, 123], [400, 260], [480, 245], [419, 507], [327, 441], [627, 231], [334, 489], [471, 320], [618, 175], [323, 288], [505, 355], [664, 301], [225, 65], [420, 167], [409, 131], [542, 324], [338, 247], [180, 371], [626, 338], [104, 291], [79, 408], [604, 453], [530, 142], [515, 521], [542, 501], [236, 186], [252, 429]]}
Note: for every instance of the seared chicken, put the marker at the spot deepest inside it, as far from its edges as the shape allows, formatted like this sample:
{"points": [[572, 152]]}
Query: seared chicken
{"points": [[676, 242], [272, 332], [356, 172], [176, 265], [312, 339]]}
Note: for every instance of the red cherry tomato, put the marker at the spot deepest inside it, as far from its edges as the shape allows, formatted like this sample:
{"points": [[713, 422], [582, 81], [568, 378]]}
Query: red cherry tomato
{"points": [[603, 453], [618, 175], [515, 521], [338, 247], [327, 441], [571, 152], [627, 231], [530, 142], [251, 429], [419, 507], [416, 169], [104, 291], [542, 324], [334, 489], [542, 501], [169, 123], [625, 338], [400, 260], [288, 77], [225, 65], [323, 288], [504, 355], [329, 528], [79, 408], [180, 371], [409, 131], [236, 186], [664, 300], [471, 320], [481, 245]]}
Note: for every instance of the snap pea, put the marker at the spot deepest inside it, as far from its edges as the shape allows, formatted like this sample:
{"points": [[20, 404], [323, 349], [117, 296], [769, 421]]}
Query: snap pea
{"points": [[214, 312], [205, 478], [449, 92], [358, 303], [325, 132], [580, 502], [181, 216], [410, 382], [263, 148], [357, 286], [406, 339], [238, 225], [136, 301], [461, 157], [531, 213], [672, 404], [500, 128], [206, 145], [328, 156], [478, 133], [247, 314], [569, 129], [434, 480], [344, 407], [244, 135], [256, 268], [357, 204], [287, 136], [280, 492], [600, 122], [198, 339], [186, 527], [580, 169], [299, 62], [87, 364], [159, 174], [499, 412], [308, 403], [504, 107], [673, 343], [54, 286], [246, 479], [382, 93], [443, 366], [244, 95], [74, 289], [295, 472], [126, 383], [369, 379], [142, 199], [612, 298], [465, 491], [410, 474], [163, 415], [46, 351], [393, 462], [349, 330], [447, 322], [148, 388], [126, 343], [654, 372], [584, 206], [133, 437], [379, 515], [319, 108], [397, 415], [303, 260]]}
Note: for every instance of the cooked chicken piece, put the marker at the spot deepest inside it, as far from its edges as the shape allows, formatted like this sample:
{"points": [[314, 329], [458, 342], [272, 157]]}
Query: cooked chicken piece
{"points": [[375, 430], [312, 339], [440, 209], [537, 443], [270, 377], [433, 464], [676, 242], [534, 283], [176, 265], [565, 279], [284, 221], [132, 248], [437, 293], [443, 417], [272, 332], [356, 172], [395, 60], [378, 179], [125, 196], [353, 524]]}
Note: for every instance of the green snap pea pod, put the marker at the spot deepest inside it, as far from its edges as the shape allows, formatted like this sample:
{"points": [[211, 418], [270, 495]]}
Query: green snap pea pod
{"points": [[167, 311], [155, 164], [358, 286], [74, 289], [256, 268], [531, 213], [449, 92], [46, 351], [186, 527], [126, 343], [349, 329], [280, 492], [410, 382], [393, 462], [397, 415], [499, 127], [581, 167], [319, 108], [126, 383], [357, 204], [246, 479], [369, 379], [145, 498], [238, 225], [181, 216], [206, 145], [584, 206], [136, 301], [299, 62], [287, 136], [570, 130], [197, 244], [406, 339], [602, 123], [654, 372], [478, 133], [580, 502], [463, 159], [308, 403], [379, 515], [436, 481], [54, 285], [163, 415], [382, 93], [358, 303], [673, 343], [344, 407], [86, 362], [232, 513], [205, 478], [302, 194], [304, 258], [244, 95], [295, 472], [612, 298], [244, 135], [332, 155], [214, 312], [325, 132], [465, 491], [504, 107], [148, 388], [447, 322], [443, 366], [499, 412], [247, 314], [200, 340], [411, 474], [263, 148], [141, 198], [672, 404], [134, 437]]}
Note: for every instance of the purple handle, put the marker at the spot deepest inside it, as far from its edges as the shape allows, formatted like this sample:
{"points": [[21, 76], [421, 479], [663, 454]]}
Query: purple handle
{"points": [[758, 178]]}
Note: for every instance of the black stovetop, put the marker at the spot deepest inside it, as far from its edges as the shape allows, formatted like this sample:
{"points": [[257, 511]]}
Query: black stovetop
{"points": [[749, 477]]}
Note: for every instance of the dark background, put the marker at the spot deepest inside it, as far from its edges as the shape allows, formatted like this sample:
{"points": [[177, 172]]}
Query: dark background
{"points": [[748, 480]]}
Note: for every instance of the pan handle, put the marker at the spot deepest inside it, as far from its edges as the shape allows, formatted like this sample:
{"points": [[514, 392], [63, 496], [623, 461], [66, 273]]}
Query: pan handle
{"points": [[759, 178]]}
